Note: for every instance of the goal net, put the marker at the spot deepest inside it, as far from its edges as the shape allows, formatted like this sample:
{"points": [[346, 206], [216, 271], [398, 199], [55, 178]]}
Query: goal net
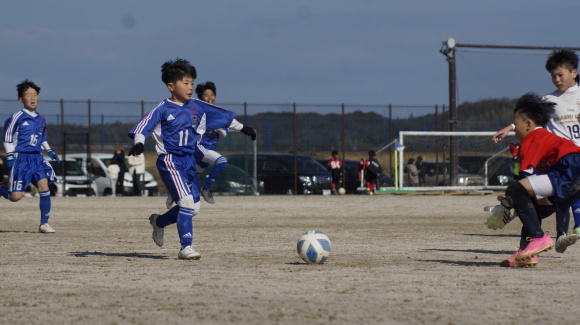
{"points": [[455, 160]]}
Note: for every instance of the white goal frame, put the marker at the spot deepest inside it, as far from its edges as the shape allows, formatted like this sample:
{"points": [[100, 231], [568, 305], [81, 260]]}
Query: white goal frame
{"points": [[402, 160]]}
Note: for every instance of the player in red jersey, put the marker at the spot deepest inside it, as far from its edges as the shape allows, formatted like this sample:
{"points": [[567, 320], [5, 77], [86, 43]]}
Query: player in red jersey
{"points": [[551, 167], [335, 165]]}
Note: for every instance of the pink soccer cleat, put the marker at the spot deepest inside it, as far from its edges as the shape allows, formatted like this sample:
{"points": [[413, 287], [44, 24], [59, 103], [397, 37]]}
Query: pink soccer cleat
{"points": [[535, 247], [511, 261]]}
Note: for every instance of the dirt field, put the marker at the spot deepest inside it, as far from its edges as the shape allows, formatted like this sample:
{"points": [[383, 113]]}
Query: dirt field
{"points": [[396, 260]]}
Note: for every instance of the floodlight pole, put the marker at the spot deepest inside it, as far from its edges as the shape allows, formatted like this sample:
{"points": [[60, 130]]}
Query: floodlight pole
{"points": [[448, 50]]}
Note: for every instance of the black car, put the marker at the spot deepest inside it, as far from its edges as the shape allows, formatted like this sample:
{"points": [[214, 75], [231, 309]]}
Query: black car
{"points": [[352, 178], [232, 180], [500, 169], [276, 171]]}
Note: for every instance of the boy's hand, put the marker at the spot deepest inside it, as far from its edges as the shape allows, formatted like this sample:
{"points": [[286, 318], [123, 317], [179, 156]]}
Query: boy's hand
{"points": [[137, 149], [53, 156], [249, 132], [10, 160], [501, 134]]}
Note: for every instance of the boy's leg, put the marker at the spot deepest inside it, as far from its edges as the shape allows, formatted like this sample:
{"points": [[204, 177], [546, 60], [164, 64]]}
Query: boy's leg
{"points": [[520, 194], [576, 213], [176, 173]]}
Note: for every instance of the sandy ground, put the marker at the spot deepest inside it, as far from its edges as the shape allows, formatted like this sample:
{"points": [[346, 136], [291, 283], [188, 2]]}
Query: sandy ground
{"points": [[396, 260]]}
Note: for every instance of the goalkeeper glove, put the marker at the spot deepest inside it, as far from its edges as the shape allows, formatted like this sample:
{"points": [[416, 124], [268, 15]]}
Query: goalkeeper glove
{"points": [[500, 214], [10, 160], [249, 132], [53, 156], [137, 149]]}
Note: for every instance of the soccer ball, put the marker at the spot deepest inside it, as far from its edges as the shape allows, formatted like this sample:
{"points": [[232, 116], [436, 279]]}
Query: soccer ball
{"points": [[314, 247], [341, 191]]}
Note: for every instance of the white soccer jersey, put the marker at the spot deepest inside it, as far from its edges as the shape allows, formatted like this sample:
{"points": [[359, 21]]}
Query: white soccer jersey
{"points": [[564, 122]]}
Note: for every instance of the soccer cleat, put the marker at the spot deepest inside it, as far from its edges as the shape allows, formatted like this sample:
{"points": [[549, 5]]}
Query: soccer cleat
{"points": [[157, 231], [535, 247], [207, 196], [169, 201], [577, 231], [564, 241], [511, 261], [46, 228], [188, 253]]}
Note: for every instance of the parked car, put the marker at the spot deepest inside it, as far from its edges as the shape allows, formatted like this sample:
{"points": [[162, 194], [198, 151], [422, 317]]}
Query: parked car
{"points": [[76, 182], [232, 180], [276, 171], [352, 182], [500, 169], [100, 162], [439, 174]]}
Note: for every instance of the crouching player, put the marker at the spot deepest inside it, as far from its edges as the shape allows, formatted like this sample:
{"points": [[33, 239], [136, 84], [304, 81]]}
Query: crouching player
{"points": [[176, 125], [552, 166]]}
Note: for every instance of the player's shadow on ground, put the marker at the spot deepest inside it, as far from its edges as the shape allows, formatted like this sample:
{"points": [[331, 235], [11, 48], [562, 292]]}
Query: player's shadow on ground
{"points": [[461, 263], [475, 251], [492, 235], [135, 255], [19, 231]]}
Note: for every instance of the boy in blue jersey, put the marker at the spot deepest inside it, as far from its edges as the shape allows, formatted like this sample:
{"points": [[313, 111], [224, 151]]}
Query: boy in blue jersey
{"points": [[176, 125], [24, 139], [205, 153]]}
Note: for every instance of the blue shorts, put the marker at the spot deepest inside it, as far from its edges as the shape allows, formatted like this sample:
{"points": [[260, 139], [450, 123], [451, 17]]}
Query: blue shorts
{"points": [[179, 176], [29, 168], [565, 177]]}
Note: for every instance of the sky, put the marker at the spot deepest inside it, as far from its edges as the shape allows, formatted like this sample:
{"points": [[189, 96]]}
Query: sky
{"points": [[371, 52]]}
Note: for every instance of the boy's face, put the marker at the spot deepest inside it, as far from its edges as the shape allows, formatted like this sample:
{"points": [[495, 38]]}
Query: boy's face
{"points": [[182, 89], [29, 99], [563, 78], [208, 96], [523, 126]]}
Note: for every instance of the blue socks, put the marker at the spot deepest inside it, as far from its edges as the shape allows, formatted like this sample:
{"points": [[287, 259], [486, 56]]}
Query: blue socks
{"points": [[576, 213], [183, 217], [44, 206], [215, 172]]}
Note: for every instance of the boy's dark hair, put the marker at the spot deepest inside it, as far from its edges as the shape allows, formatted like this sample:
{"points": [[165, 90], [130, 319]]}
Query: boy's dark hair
{"points": [[23, 86], [564, 57], [535, 108], [173, 71], [334, 153], [203, 87], [372, 153]]}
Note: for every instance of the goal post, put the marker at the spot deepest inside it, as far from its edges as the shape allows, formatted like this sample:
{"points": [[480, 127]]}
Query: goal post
{"points": [[481, 163]]}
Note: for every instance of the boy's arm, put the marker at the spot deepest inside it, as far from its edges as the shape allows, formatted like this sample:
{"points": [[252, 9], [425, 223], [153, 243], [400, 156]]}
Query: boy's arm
{"points": [[142, 130], [237, 126], [502, 133], [49, 151]]}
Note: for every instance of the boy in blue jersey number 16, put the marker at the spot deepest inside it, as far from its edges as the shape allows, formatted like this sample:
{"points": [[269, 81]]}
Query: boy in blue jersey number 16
{"points": [[176, 125], [24, 139]]}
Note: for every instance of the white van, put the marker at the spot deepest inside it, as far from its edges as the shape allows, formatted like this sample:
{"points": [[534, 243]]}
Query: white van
{"points": [[100, 162], [76, 182]]}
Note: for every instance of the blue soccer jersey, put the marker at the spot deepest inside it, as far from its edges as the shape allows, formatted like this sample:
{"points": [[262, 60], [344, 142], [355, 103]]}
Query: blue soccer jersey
{"points": [[26, 130], [177, 128], [210, 139]]}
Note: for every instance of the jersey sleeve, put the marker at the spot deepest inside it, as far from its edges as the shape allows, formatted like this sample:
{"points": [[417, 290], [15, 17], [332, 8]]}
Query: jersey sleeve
{"points": [[216, 117], [10, 127], [147, 124]]}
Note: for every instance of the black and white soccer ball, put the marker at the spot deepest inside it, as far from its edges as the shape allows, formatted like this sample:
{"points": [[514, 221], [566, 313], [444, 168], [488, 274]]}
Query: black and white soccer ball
{"points": [[314, 247]]}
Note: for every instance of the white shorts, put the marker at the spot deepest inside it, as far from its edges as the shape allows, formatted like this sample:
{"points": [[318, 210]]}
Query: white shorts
{"points": [[542, 186]]}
